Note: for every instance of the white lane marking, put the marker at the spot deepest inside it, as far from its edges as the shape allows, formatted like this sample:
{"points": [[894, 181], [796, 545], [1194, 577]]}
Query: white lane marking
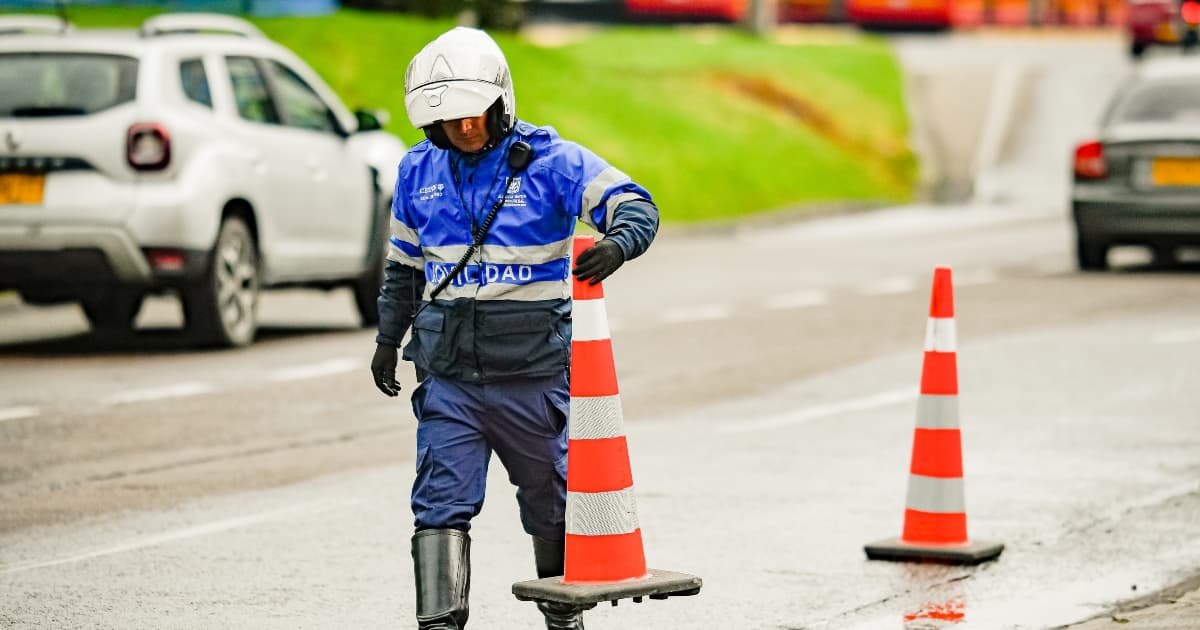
{"points": [[704, 313], [802, 416], [178, 390], [889, 286], [798, 299], [1177, 336], [974, 278], [17, 413], [315, 370], [179, 534]]}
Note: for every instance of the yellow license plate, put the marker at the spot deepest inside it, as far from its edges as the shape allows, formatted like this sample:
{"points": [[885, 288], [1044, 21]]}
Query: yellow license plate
{"points": [[1165, 33], [22, 188], [1175, 172]]}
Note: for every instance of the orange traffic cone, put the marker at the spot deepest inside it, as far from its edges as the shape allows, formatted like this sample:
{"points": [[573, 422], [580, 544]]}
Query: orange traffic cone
{"points": [[604, 539], [604, 558], [935, 516]]}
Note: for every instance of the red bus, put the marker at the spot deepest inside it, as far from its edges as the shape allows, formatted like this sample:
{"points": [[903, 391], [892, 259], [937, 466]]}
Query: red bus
{"points": [[900, 13], [729, 10], [726, 10]]}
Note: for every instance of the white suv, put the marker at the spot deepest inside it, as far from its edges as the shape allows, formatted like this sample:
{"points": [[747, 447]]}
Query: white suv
{"points": [[192, 155]]}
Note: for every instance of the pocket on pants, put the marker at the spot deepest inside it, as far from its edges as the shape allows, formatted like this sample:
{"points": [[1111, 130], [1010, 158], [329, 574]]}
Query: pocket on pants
{"points": [[425, 491], [557, 408]]}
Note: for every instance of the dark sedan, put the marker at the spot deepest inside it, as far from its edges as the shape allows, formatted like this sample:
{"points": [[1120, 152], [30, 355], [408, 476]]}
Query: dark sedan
{"points": [[1138, 182]]}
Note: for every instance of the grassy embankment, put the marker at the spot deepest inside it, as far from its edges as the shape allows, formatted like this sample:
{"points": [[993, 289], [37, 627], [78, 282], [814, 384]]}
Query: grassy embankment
{"points": [[715, 123]]}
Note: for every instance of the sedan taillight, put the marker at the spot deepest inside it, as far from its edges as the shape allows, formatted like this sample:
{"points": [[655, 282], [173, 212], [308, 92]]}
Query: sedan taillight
{"points": [[1089, 161], [148, 147]]}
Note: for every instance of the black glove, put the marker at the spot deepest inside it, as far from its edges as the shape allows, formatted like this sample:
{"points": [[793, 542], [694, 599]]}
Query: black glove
{"points": [[599, 261], [383, 368]]}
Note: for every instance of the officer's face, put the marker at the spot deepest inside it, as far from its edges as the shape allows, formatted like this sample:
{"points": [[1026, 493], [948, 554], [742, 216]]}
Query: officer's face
{"points": [[467, 134]]}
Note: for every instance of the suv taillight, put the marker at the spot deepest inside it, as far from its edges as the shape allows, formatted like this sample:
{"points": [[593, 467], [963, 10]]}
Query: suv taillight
{"points": [[1089, 161], [148, 147], [1190, 12]]}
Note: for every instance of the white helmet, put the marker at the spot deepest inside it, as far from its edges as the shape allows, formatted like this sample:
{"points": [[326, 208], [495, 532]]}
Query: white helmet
{"points": [[459, 75]]}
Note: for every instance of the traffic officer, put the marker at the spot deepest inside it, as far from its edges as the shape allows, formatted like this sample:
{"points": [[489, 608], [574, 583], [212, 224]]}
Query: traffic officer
{"points": [[479, 265]]}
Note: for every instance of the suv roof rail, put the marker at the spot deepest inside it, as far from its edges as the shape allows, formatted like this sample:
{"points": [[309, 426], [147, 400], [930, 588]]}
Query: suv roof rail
{"points": [[18, 24], [180, 23]]}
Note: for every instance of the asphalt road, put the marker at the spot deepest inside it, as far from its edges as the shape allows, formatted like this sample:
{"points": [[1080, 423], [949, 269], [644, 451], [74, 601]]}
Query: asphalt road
{"points": [[768, 375]]}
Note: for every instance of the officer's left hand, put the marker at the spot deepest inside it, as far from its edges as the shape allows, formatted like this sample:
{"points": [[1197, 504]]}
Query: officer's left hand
{"points": [[599, 261], [383, 369]]}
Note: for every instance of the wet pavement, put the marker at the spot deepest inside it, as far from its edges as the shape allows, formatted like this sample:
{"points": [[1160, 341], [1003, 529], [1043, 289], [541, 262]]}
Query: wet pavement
{"points": [[1087, 475]]}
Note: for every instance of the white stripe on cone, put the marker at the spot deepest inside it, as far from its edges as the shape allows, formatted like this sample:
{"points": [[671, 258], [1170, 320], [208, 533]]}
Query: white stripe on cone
{"points": [[589, 320], [602, 513], [940, 335], [596, 417]]}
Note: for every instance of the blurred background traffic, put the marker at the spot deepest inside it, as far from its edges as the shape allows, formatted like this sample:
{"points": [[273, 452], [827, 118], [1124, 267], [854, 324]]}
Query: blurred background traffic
{"points": [[806, 105]]}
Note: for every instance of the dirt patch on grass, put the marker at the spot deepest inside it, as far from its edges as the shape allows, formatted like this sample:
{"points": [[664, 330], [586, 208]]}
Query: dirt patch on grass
{"points": [[889, 155]]}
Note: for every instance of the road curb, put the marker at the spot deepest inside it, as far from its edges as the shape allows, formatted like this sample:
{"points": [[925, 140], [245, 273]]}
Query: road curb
{"points": [[1175, 607]]}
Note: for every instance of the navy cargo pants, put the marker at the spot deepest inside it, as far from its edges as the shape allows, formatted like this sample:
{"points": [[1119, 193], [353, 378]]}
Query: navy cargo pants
{"points": [[459, 425]]}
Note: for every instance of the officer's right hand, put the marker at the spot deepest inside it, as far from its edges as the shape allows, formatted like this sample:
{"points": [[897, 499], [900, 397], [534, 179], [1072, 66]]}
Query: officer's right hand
{"points": [[383, 368]]}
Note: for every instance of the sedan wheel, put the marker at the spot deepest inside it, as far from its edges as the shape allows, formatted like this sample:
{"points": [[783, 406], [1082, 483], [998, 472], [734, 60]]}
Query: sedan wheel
{"points": [[223, 309], [1090, 256]]}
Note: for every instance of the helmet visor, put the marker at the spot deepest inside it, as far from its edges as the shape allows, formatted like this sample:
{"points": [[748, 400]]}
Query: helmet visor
{"points": [[450, 100]]}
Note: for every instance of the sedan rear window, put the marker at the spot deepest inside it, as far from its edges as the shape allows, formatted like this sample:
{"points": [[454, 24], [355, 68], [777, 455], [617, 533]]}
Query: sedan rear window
{"points": [[64, 84], [1159, 101]]}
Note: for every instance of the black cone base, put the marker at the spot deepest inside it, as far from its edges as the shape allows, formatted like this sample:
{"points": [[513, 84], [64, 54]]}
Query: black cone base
{"points": [[656, 585], [973, 552]]}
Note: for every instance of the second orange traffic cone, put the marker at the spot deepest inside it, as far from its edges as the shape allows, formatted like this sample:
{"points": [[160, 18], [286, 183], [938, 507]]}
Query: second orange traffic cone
{"points": [[935, 515]]}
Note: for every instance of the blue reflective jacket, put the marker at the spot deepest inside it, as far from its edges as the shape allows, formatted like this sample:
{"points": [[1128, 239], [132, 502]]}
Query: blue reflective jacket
{"points": [[508, 313]]}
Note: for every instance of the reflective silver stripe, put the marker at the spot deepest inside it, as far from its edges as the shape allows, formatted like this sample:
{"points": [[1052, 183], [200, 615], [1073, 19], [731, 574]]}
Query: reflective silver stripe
{"points": [[395, 254], [937, 412], [552, 290], [594, 192], [526, 255], [445, 253], [615, 201], [940, 335], [589, 320], [936, 494], [596, 417], [601, 513], [404, 233], [501, 254]]}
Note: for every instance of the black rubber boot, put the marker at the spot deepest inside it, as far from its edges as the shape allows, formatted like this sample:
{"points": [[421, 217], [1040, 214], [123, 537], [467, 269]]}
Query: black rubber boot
{"points": [[548, 555], [442, 561]]}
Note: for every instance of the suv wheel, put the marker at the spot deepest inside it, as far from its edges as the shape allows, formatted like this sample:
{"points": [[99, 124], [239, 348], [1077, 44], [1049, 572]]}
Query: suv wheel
{"points": [[366, 287], [366, 293], [1090, 256], [223, 309], [113, 310]]}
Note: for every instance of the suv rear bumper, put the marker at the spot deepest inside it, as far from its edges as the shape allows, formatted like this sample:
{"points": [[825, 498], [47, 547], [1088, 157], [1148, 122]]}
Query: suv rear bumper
{"points": [[54, 261]]}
